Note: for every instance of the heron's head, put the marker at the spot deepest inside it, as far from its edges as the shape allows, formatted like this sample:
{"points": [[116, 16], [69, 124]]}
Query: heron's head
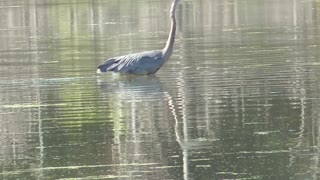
{"points": [[176, 1]]}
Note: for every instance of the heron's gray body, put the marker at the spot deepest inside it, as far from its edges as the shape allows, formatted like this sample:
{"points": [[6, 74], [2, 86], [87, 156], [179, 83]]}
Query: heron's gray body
{"points": [[147, 62]]}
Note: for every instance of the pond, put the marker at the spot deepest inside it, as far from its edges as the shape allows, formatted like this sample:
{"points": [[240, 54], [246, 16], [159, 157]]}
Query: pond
{"points": [[239, 98]]}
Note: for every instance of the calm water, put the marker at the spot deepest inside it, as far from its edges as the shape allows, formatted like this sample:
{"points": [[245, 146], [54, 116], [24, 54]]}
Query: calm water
{"points": [[239, 99]]}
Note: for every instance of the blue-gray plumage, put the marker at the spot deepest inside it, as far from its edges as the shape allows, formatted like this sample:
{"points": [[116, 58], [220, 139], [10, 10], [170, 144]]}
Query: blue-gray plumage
{"points": [[148, 62]]}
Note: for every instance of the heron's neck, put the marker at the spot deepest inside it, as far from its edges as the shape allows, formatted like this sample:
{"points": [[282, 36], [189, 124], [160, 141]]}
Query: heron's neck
{"points": [[167, 50]]}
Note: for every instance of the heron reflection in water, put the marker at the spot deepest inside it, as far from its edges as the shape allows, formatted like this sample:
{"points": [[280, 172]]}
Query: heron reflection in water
{"points": [[148, 62]]}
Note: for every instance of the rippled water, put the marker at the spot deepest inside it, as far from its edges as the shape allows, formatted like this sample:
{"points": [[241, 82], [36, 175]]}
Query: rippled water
{"points": [[239, 98]]}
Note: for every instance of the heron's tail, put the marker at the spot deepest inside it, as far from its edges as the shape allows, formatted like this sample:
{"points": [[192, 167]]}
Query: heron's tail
{"points": [[106, 66], [99, 71]]}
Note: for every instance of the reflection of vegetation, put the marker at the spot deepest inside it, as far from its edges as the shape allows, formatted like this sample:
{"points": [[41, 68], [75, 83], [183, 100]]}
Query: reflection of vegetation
{"points": [[78, 133]]}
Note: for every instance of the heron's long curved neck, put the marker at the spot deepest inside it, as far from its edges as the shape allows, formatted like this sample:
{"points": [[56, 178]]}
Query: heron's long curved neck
{"points": [[167, 50]]}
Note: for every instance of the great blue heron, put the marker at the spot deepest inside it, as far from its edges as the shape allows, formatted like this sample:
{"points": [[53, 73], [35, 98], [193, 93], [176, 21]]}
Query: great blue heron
{"points": [[148, 62]]}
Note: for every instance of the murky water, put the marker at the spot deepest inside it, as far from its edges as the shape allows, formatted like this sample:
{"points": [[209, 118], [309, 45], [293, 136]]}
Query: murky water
{"points": [[239, 99]]}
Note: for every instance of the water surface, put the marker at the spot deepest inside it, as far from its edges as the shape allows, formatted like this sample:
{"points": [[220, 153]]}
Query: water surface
{"points": [[239, 99]]}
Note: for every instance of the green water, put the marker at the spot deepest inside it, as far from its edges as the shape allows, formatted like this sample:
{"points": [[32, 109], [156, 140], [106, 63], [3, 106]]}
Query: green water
{"points": [[239, 98]]}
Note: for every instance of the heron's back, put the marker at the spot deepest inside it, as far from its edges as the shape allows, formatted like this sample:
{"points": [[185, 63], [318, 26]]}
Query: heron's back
{"points": [[139, 63]]}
